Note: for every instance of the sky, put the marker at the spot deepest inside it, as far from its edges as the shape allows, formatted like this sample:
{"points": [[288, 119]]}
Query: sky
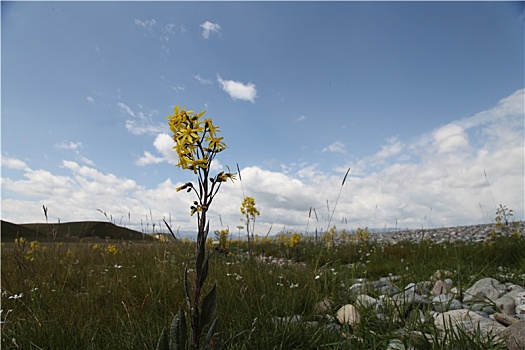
{"points": [[423, 101]]}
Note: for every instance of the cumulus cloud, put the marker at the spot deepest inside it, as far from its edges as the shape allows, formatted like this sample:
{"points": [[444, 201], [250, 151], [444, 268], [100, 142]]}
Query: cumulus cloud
{"points": [[238, 90], [428, 188], [148, 158], [208, 28], [90, 99], [13, 163]]}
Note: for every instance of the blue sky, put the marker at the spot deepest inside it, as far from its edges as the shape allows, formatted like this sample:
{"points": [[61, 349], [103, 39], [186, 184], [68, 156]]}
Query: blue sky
{"points": [[419, 99]]}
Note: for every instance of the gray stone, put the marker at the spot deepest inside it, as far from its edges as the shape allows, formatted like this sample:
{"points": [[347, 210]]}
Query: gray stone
{"points": [[520, 303], [506, 305], [483, 290], [441, 287], [288, 319], [322, 307], [470, 322], [515, 336], [445, 302], [366, 301], [505, 320]]}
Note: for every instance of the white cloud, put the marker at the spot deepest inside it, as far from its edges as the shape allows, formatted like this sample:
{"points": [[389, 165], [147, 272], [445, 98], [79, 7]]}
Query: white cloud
{"points": [[300, 119], [202, 80], [125, 108], [433, 186], [148, 23], [450, 138], [208, 28], [238, 90], [148, 158], [13, 163], [90, 99], [336, 147], [140, 123], [170, 28], [73, 146]]}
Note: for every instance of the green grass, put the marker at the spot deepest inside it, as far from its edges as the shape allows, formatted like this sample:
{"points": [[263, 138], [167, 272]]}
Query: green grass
{"points": [[82, 296]]}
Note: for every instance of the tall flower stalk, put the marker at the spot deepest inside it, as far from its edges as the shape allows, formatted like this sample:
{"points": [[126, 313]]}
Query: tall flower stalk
{"points": [[197, 144]]}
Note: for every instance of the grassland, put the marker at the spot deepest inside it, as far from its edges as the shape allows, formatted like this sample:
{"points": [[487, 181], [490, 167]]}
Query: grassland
{"points": [[121, 294]]}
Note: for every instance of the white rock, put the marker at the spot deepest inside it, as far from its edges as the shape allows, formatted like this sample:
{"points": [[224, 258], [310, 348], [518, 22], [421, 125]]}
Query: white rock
{"points": [[348, 314]]}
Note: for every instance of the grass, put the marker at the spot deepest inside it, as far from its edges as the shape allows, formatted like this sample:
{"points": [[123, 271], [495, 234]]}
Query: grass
{"points": [[120, 295]]}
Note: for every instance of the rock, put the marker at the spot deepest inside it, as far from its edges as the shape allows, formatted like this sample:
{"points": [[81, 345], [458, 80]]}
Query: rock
{"points": [[289, 319], [470, 322], [348, 314], [520, 303], [485, 288], [505, 320], [445, 302], [506, 305], [366, 301], [395, 344], [515, 336], [322, 307], [441, 287]]}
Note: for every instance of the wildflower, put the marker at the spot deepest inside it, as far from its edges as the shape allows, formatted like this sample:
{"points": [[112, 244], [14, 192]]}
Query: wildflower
{"points": [[16, 296], [317, 277], [112, 249], [117, 266], [296, 285]]}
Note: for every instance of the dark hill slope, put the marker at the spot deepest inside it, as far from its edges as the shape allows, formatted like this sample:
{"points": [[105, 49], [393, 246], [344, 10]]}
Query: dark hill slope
{"points": [[70, 231]]}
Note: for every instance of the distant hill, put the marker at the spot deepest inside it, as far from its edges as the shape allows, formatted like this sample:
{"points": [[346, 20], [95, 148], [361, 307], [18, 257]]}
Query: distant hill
{"points": [[71, 231]]}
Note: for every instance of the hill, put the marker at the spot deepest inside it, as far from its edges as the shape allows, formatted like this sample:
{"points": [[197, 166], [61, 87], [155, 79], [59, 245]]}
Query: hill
{"points": [[70, 231]]}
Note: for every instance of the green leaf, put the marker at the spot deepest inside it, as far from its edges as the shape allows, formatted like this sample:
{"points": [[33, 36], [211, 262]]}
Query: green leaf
{"points": [[210, 333], [204, 272], [164, 341], [178, 331], [209, 304], [186, 286]]}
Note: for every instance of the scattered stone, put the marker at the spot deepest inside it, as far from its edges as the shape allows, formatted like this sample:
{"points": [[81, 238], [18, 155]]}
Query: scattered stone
{"points": [[395, 344], [472, 234], [441, 287], [469, 322], [515, 336], [505, 320], [366, 301], [348, 314], [506, 305], [486, 289], [520, 303], [445, 302], [289, 319], [322, 307]]}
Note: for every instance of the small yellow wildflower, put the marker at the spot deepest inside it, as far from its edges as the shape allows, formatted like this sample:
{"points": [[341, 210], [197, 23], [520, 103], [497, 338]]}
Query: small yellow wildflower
{"points": [[112, 249]]}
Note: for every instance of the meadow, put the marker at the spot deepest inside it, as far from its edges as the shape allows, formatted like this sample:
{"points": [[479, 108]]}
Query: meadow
{"points": [[121, 294]]}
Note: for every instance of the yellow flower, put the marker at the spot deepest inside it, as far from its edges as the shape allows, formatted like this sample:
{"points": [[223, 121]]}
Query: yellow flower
{"points": [[215, 144], [212, 129], [223, 177], [112, 249]]}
